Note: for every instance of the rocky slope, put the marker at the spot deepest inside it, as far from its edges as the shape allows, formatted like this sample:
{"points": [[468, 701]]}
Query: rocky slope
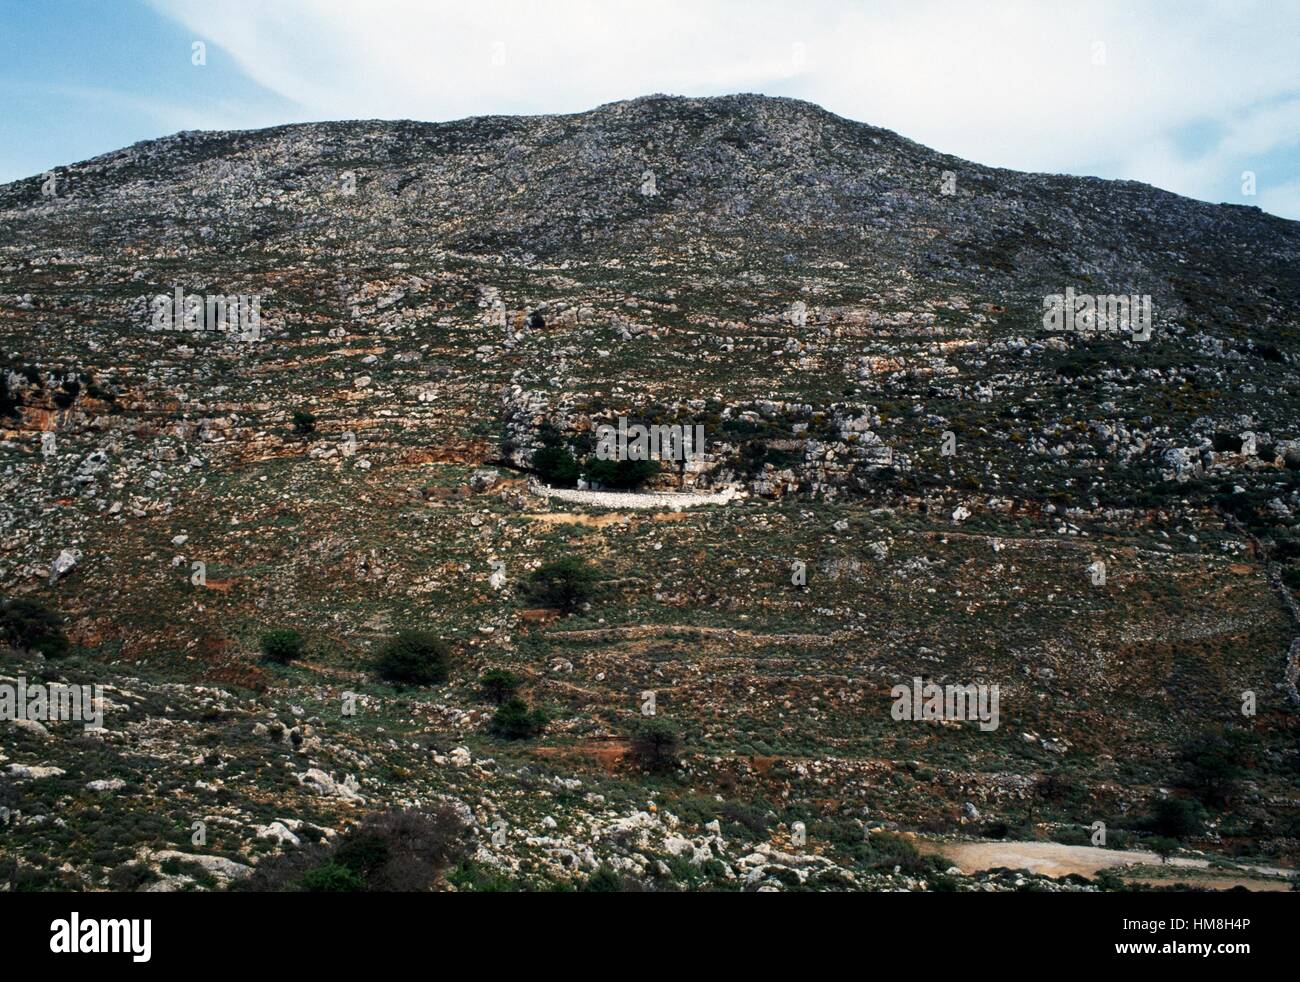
{"points": [[827, 299]]}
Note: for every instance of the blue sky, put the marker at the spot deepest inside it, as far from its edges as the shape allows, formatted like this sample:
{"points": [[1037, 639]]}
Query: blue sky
{"points": [[1184, 94]]}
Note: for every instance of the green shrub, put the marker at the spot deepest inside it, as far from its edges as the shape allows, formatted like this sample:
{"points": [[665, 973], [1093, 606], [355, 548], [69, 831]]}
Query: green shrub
{"points": [[1227, 443], [304, 422], [498, 685], [513, 720], [1162, 846], [414, 658], [888, 849], [621, 475], [26, 623], [185, 867], [1214, 766], [554, 461], [607, 880], [9, 399], [556, 466], [1177, 818], [363, 852], [332, 878], [130, 877], [655, 746], [752, 820], [281, 645], [565, 584], [472, 877]]}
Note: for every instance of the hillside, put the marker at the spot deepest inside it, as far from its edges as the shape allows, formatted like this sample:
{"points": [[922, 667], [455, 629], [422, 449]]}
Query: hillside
{"points": [[446, 300]]}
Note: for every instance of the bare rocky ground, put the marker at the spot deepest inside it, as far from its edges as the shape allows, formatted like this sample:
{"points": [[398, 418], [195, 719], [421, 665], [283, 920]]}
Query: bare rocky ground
{"points": [[446, 299]]}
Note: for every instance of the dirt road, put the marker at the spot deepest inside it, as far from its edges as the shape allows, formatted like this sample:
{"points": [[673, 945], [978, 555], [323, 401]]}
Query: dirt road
{"points": [[1056, 859]]}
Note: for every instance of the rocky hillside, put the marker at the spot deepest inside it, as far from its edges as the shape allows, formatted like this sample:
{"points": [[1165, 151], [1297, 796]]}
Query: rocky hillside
{"points": [[447, 310]]}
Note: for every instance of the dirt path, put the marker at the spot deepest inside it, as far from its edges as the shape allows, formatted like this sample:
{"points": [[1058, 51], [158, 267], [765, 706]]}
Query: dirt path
{"points": [[1056, 859]]}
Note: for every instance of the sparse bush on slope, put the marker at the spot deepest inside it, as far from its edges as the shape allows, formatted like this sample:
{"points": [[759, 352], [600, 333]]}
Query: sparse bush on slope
{"points": [[27, 623], [414, 658]]}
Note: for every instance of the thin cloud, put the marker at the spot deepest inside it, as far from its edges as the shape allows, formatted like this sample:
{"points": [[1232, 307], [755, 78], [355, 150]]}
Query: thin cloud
{"points": [[1101, 88]]}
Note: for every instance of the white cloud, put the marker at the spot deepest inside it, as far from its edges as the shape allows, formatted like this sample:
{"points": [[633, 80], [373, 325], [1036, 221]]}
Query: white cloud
{"points": [[1017, 84]]}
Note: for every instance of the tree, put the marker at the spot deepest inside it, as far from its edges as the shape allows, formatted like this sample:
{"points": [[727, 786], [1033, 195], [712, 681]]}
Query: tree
{"points": [[498, 685], [554, 462], [513, 720], [304, 422], [26, 623], [556, 466], [1177, 818], [1163, 846], [655, 746], [414, 658], [1214, 765], [565, 584], [281, 645], [621, 475]]}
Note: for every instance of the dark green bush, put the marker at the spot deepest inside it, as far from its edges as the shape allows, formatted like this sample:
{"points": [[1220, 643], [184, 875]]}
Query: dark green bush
{"points": [[66, 395], [554, 461], [498, 685], [752, 819], [1227, 443], [621, 475], [332, 878], [556, 466], [414, 658], [655, 746], [9, 399], [363, 852], [304, 422], [1214, 765], [26, 623], [513, 720], [608, 880], [1162, 846], [565, 584], [281, 645], [1177, 818], [130, 877]]}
